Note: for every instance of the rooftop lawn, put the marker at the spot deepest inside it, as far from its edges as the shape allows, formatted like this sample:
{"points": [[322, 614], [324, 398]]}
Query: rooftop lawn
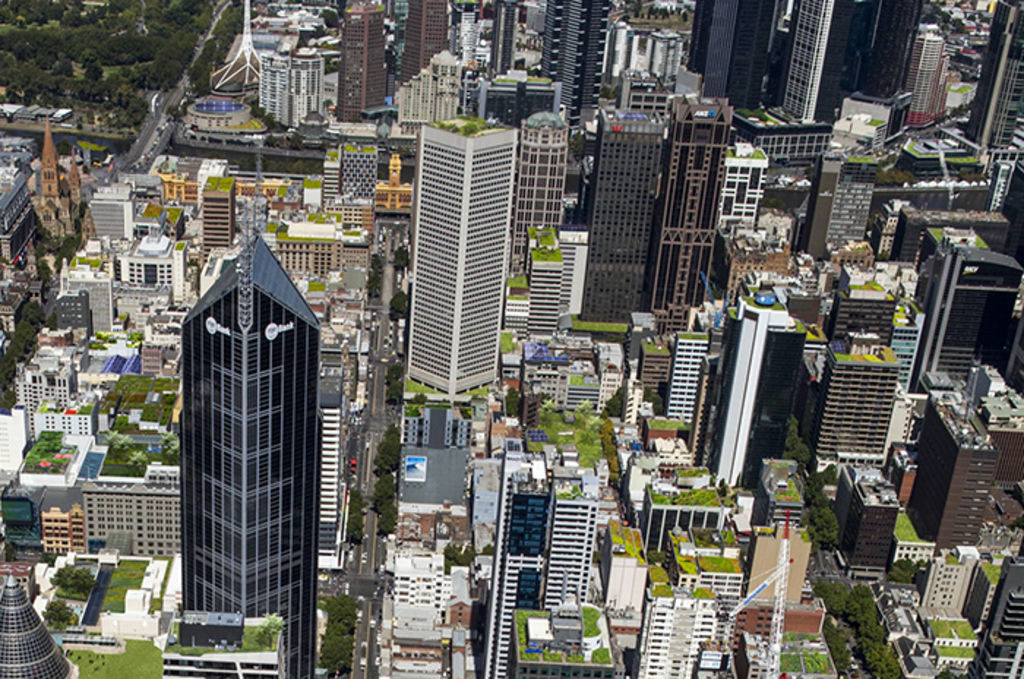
{"points": [[467, 126], [955, 651], [815, 662], [543, 254], [702, 497], [790, 663], [703, 593], [789, 494], [412, 387], [991, 572], [904, 530], [671, 425], [598, 327], [49, 455], [952, 629], [583, 434], [629, 538], [508, 342], [140, 660], [590, 617], [128, 575], [250, 644], [718, 564], [686, 564]]}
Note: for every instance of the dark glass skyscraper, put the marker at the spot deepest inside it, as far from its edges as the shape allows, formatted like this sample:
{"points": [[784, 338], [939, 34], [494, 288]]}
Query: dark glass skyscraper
{"points": [[894, 36], [250, 445], [574, 37], [731, 39], [1001, 88], [1001, 653], [503, 38]]}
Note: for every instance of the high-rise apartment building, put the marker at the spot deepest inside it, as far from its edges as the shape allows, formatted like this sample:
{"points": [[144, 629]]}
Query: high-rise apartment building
{"points": [[743, 188], [687, 207], [927, 78], [956, 464], [358, 172], [619, 209], [543, 153], [731, 41], [968, 295], [332, 468], [546, 265], [676, 621], [570, 551], [524, 506], [895, 25], [218, 217], [866, 507], [840, 203], [761, 351], [503, 36], [432, 94], [947, 578], [292, 84], [818, 35], [688, 354], [250, 448], [465, 172], [1000, 92], [1001, 653], [464, 33], [362, 76], [426, 34], [574, 37], [854, 405]]}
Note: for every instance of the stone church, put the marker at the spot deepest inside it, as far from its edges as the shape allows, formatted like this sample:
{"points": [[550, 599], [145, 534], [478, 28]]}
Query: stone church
{"points": [[60, 192]]}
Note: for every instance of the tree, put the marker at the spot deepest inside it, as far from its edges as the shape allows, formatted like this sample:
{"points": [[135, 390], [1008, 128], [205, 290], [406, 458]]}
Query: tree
{"points": [[401, 259], [398, 306], [43, 271], [796, 449], [513, 400], [330, 18], [655, 400], [268, 630], [902, 571], [354, 523], [824, 528], [836, 641], [389, 451], [613, 406], [384, 490], [119, 443], [373, 278], [138, 461], [171, 447], [58, 615], [833, 594], [336, 653], [51, 321], [76, 583], [609, 449], [10, 553], [453, 556]]}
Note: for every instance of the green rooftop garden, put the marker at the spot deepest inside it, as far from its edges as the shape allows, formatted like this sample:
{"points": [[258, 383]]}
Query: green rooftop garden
{"points": [[49, 455], [412, 387], [467, 126], [729, 538], [686, 563], [674, 425], [517, 282], [543, 254], [220, 184], [701, 497], [955, 651], [718, 564], [91, 262], [703, 593], [904, 530], [140, 660], [654, 348], [173, 214], [311, 184], [992, 572], [704, 538], [151, 211], [350, 148], [758, 154], [582, 433], [598, 327], [790, 663], [789, 494], [659, 581], [128, 575], [317, 286], [521, 617], [689, 472], [952, 629], [815, 662], [508, 342], [628, 538], [251, 643], [590, 617], [179, 246]]}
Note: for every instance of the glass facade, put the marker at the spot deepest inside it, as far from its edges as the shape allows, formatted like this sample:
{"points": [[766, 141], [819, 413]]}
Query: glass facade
{"points": [[250, 444]]}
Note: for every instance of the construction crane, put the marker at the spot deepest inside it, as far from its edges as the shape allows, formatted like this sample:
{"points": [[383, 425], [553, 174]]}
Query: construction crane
{"points": [[779, 577]]}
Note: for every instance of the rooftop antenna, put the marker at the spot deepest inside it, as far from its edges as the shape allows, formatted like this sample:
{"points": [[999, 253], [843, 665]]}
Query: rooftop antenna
{"points": [[253, 225]]}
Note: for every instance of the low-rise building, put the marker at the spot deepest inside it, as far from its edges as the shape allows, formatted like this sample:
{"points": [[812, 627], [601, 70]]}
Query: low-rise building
{"points": [[144, 514]]}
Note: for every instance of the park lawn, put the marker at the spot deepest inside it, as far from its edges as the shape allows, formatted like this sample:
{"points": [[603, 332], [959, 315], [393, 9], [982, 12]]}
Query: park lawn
{"points": [[128, 575], [140, 660]]}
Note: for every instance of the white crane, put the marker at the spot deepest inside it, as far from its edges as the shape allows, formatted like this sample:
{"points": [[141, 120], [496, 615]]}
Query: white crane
{"points": [[778, 576]]}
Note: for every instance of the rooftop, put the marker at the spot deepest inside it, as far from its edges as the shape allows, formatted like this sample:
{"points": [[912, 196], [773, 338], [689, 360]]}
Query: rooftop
{"points": [[905, 531], [543, 254], [952, 629], [628, 539], [702, 497], [467, 126], [220, 184]]}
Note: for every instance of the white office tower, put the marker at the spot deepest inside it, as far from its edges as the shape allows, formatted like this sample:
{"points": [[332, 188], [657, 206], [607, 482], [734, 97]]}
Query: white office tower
{"points": [[332, 410], [745, 170], [572, 241], [461, 219], [809, 37], [291, 84], [520, 554], [675, 624], [14, 437], [573, 530], [684, 376], [666, 54], [546, 266]]}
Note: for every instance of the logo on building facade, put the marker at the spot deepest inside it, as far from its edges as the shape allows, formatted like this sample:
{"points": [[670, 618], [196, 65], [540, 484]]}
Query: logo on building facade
{"points": [[213, 327], [273, 330]]}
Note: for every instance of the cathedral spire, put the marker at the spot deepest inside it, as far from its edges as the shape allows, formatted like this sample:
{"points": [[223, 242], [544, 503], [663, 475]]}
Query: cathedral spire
{"points": [[50, 172]]}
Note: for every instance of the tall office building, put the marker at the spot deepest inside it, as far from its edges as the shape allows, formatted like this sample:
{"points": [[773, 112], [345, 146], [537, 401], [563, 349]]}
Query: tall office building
{"points": [[731, 40], [574, 37], [503, 37], [362, 78], [292, 85], [426, 34], [675, 623], [894, 35], [688, 354], [686, 217], [761, 351], [840, 203], [854, 406], [1013, 210], [218, 216], [619, 209], [464, 33], [1000, 92], [1001, 652], [858, 47], [524, 506], [250, 451], [570, 552], [956, 464], [927, 77], [861, 309], [332, 468], [818, 35], [540, 186], [967, 294], [866, 508], [743, 187], [465, 171]]}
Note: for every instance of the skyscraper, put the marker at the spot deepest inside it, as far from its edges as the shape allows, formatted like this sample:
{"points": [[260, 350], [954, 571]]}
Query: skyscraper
{"points": [[503, 37], [574, 496], [574, 37], [956, 463], [250, 449], [761, 351], [967, 294], [218, 215], [927, 76], [1000, 91], [1001, 652], [731, 40], [818, 35], [465, 172], [866, 508], [292, 85], [894, 36], [686, 218], [363, 76], [543, 151], [28, 652], [464, 33], [426, 34], [840, 203], [619, 207]]}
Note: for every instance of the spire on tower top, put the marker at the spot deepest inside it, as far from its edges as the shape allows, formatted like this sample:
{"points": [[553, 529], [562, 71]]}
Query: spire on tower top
{"points": [[49, 150]]}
